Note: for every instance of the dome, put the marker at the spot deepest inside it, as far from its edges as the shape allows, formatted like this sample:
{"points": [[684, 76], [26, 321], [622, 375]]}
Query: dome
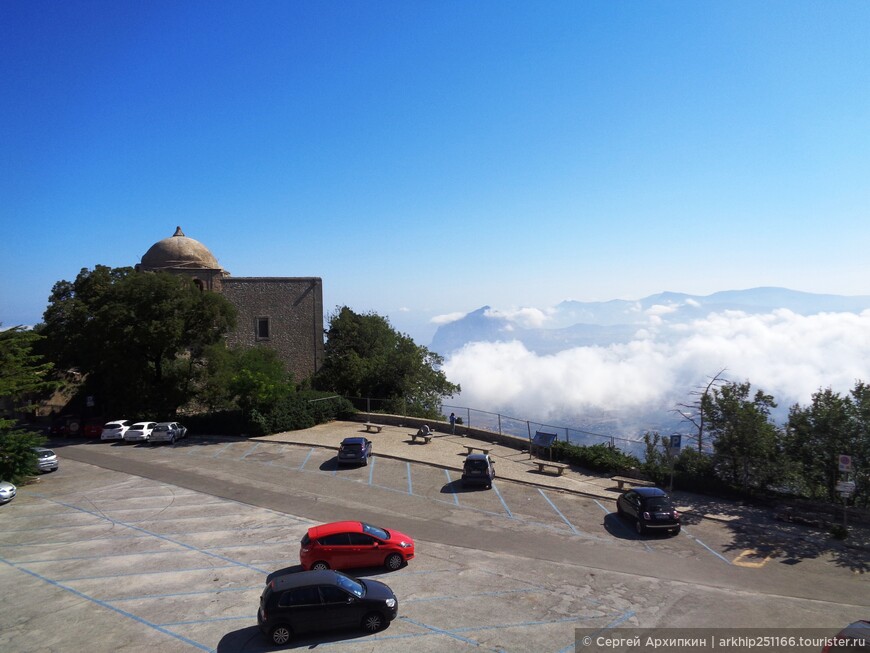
{"points": [[179, 251]]}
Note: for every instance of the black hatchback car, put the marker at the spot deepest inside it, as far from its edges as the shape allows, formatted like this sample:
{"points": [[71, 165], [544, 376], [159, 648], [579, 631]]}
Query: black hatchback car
{"points": [[354, 451], [311, 601], [650, 508], [478, 469]]}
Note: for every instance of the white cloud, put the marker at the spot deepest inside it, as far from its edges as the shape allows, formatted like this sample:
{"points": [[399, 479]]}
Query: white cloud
{"points": [[787, 355], [661, 309], [527, 318], [447, 318]]}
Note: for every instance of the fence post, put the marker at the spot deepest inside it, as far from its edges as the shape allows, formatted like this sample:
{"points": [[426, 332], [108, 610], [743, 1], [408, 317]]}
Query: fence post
{"points": [[499, 423]]}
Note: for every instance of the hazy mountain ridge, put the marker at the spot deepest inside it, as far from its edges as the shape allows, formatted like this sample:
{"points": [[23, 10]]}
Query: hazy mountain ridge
{"points": [[587, 324]]}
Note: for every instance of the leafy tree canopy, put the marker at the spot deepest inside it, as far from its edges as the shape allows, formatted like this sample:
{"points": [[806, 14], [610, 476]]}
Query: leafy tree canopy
{"points": [[745, 441], [138, 337], [365, 357], [24, 376]]}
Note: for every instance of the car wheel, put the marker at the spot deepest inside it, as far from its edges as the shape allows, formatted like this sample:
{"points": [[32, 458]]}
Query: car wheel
{"points": [[320, 565], [619, 510], [280, 634], [394, 561], [373, 622], [639, 527], [172, 441], [676, 531]]}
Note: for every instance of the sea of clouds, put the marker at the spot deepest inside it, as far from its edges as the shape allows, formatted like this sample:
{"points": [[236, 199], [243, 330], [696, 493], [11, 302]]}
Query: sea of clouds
{"points": [[787, 355]]}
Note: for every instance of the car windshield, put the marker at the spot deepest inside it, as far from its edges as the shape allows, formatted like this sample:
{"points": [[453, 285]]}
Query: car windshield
{"points": [[380, 533], [354, 587], [161, 427], [137, 427], [46, 453]]}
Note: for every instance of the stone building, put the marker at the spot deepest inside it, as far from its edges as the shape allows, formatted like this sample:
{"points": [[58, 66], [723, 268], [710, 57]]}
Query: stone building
{"points": [[282, 313]]}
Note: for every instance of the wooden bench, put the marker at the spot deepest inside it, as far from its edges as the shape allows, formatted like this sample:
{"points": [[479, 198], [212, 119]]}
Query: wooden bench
{"points": [[426, 437], [471, 449], [373, 428], [558, 468], [625, 480]]}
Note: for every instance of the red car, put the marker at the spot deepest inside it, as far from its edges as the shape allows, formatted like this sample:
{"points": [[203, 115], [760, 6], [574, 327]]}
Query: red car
{"points": [[347, 544], [93, 427]]}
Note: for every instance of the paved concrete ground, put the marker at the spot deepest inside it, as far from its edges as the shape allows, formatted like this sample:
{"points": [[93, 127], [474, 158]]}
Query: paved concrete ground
{"points": [[448, 451]]}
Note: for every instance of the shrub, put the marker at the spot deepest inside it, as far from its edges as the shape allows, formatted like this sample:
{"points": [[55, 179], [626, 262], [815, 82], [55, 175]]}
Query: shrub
{"points": [[597, 457], [17, 458]]}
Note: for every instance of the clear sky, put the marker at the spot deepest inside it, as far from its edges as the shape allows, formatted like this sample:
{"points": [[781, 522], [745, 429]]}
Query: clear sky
{"points": [[431, 157]]}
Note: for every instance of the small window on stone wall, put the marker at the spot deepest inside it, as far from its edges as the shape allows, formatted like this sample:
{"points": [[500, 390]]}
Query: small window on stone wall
{"points": [[199, 284], [262, 328]]}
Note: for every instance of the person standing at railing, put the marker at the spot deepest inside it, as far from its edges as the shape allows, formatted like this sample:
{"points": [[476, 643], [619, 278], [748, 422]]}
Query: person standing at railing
{"points": [[453, 423]]}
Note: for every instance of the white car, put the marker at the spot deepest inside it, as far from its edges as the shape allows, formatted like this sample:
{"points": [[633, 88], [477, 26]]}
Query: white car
{"points": [[115, 430], [168, 432], [7, 492], [139, 432]]}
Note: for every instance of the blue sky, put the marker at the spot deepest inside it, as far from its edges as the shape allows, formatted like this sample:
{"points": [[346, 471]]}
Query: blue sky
{"points": [[431, 157]]}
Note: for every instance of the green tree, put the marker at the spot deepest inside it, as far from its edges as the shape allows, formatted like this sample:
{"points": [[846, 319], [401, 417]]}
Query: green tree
{"points": [[365, 357], [259, 380], [139, 339], [818, 434], [745, 441], [24, 376]]}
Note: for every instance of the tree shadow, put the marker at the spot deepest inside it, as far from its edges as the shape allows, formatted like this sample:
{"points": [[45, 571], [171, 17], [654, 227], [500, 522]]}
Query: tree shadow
{"points": [[765, 532]]}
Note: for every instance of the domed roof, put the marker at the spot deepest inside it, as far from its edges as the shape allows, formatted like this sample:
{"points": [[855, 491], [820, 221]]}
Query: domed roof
{"points": [[179, 251]]}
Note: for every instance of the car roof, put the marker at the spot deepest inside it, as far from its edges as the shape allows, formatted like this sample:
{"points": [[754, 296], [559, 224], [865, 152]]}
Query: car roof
{"points": [[303, 579], [142, 423], [165, 423], [476, 456], [354, 440], [332, 528], [41, 449], [650, 492]]}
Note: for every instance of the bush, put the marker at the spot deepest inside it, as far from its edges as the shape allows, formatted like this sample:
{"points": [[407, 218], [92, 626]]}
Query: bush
{"points": [[839, 532], [597, 457], [295, 411], [17, 457]]}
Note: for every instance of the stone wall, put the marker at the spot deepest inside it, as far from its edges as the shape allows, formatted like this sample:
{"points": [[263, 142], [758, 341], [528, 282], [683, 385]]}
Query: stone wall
{"points": [[294, 309]]}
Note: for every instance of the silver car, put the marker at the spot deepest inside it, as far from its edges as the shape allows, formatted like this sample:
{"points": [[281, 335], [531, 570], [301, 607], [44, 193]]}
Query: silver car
{"points": [[139, 432], [46, 459], [115, 430], [168, 432], [7, 492]]}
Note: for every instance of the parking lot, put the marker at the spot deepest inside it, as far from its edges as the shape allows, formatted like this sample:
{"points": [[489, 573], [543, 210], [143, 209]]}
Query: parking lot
{"points": [[103, 560]]}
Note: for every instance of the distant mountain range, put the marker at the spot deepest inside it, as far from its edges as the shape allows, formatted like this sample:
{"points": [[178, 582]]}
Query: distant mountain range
{"points": [[584, 324]]}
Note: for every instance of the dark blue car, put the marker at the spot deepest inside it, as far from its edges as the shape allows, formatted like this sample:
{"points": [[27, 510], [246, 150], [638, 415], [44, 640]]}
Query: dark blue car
{"points": [[354, 451]]}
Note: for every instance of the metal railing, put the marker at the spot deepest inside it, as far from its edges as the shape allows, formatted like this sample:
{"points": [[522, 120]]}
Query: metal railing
{"points": [[513, 426]]}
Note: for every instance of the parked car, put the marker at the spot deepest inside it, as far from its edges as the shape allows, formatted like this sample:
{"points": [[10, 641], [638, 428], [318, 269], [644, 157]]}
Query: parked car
{"points": [[650, 508], [7, 491], [854, 638], [46, 459], [115, 430], [93, 427], [167, 432], [309, 601], [478, 469], [354, 451], [66, 425], [139, 432], [348, 544]]}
